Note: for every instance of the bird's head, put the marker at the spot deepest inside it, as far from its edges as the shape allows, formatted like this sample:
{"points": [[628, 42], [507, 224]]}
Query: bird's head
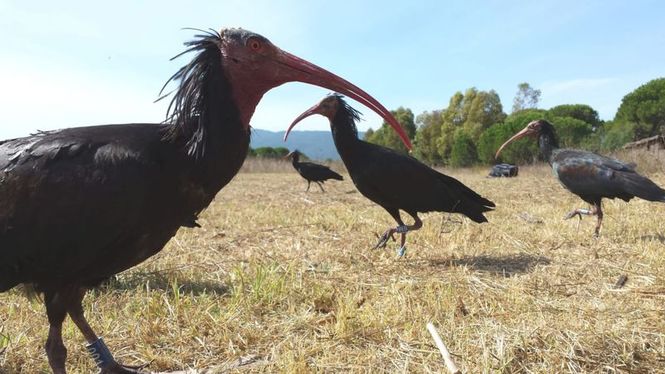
{"points": [[534, 129], [254, 65], [329, 107], [295, 154]]}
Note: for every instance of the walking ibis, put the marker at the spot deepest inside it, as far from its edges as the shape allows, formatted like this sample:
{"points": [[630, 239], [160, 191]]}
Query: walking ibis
{"points": [[393, 180], [588, 175], [312, 172], [81, 204]]}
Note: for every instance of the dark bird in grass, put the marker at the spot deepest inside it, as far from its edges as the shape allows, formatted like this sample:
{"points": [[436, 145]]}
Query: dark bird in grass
{"points": [[312, 172], [393, 180], [79, 205], [590, 176]]}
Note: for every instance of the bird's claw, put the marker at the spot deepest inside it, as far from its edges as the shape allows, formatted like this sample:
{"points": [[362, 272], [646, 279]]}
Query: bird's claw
{"points": [[383, 240], [117, 368], [573, 214]]}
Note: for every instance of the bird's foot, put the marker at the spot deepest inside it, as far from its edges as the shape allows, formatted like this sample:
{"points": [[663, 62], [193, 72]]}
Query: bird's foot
{"points": [[383, 239], [572, 214], [104, 360], [577, 212], [116, 368], [401, 251]]}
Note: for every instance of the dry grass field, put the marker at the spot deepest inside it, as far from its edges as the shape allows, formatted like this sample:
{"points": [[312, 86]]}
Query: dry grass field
{"points": [[282, 281]]}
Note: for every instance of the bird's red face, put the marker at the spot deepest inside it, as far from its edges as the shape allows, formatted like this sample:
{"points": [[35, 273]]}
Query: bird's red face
{"points": [[254, 65], [532, 130]]}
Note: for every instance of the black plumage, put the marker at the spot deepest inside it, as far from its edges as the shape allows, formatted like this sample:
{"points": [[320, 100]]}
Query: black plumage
{"points": [[312, 172], [393, 180], [81, 204], [590, 176]]}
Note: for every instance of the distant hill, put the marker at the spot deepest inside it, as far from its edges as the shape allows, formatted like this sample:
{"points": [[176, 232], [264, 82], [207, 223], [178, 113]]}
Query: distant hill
{"points": [[317, 145]]}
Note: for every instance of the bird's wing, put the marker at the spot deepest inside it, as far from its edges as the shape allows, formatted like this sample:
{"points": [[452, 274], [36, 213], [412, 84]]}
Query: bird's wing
{"points": [[69, 193], [400, 181], [318, 172], [592, 177]]}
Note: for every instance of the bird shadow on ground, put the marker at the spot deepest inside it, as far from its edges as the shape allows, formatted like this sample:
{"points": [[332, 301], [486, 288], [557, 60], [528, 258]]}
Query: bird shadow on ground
{"points": [[503, 265], [653, 237], [164, 282]]}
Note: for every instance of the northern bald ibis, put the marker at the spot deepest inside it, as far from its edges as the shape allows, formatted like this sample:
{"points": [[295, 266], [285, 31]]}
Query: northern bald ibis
{"points": [[590, 176], [312, 172], [393, 180], [81, 204]]}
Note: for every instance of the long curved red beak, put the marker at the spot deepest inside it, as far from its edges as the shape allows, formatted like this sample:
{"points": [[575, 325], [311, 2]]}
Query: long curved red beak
{"points": [[306, 72], [524, 132], [311, 111]]}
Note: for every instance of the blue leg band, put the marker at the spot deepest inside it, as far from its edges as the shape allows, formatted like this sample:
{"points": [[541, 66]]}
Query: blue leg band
{"points": [[100, 353], [401, 229]]}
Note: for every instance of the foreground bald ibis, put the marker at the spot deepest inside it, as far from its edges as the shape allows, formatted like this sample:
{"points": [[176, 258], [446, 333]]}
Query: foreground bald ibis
{"points": [[82, 204], [312, 172], [393, 180], [590, 176]]}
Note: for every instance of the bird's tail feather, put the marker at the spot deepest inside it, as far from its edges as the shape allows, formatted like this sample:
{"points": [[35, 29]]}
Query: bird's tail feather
{"points": [[337, 176], [468, 201], [642, 187]]}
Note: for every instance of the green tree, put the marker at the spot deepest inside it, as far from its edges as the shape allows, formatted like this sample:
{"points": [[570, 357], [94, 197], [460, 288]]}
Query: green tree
{"points": [[387, 137], [581, 112], [615, 135], [269, 152], [526, 97], [522, 151], [463, 150], [429, 129], [490, 141], [570, 131], [474, 111], [644, 110]]}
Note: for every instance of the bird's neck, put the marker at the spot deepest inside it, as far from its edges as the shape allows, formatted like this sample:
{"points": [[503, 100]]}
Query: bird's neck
{"points": [[548, 144], [345, 135], [295, 161], [246, 100], [217, 140]]}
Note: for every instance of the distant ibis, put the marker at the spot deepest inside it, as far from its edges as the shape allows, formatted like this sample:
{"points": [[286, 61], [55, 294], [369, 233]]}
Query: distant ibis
{"points": [[394, 181], [312, 172], [588, 175], [79, 205]]}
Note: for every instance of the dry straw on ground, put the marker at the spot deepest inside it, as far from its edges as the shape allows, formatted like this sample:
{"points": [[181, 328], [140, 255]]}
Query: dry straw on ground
{"points": [[278, 280]]}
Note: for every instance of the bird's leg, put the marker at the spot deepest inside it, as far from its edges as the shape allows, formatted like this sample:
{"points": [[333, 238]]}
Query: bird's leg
{"points": [[308, 183], [98, 350], [321, 186], [55, 348], [598, 210], [400, 229], [383, 239], [390, 233], [579, 213], [417, 224]]}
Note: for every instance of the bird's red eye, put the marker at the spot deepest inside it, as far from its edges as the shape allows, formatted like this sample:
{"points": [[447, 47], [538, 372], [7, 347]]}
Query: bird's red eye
{"points": [[254, 44]]}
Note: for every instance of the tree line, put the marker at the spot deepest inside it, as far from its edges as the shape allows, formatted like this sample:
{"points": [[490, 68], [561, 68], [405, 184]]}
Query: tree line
{"points": [[474, 125]]}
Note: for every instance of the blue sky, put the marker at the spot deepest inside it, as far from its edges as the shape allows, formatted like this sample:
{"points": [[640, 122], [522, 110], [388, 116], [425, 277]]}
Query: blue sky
{"points": [[74, 63]]}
